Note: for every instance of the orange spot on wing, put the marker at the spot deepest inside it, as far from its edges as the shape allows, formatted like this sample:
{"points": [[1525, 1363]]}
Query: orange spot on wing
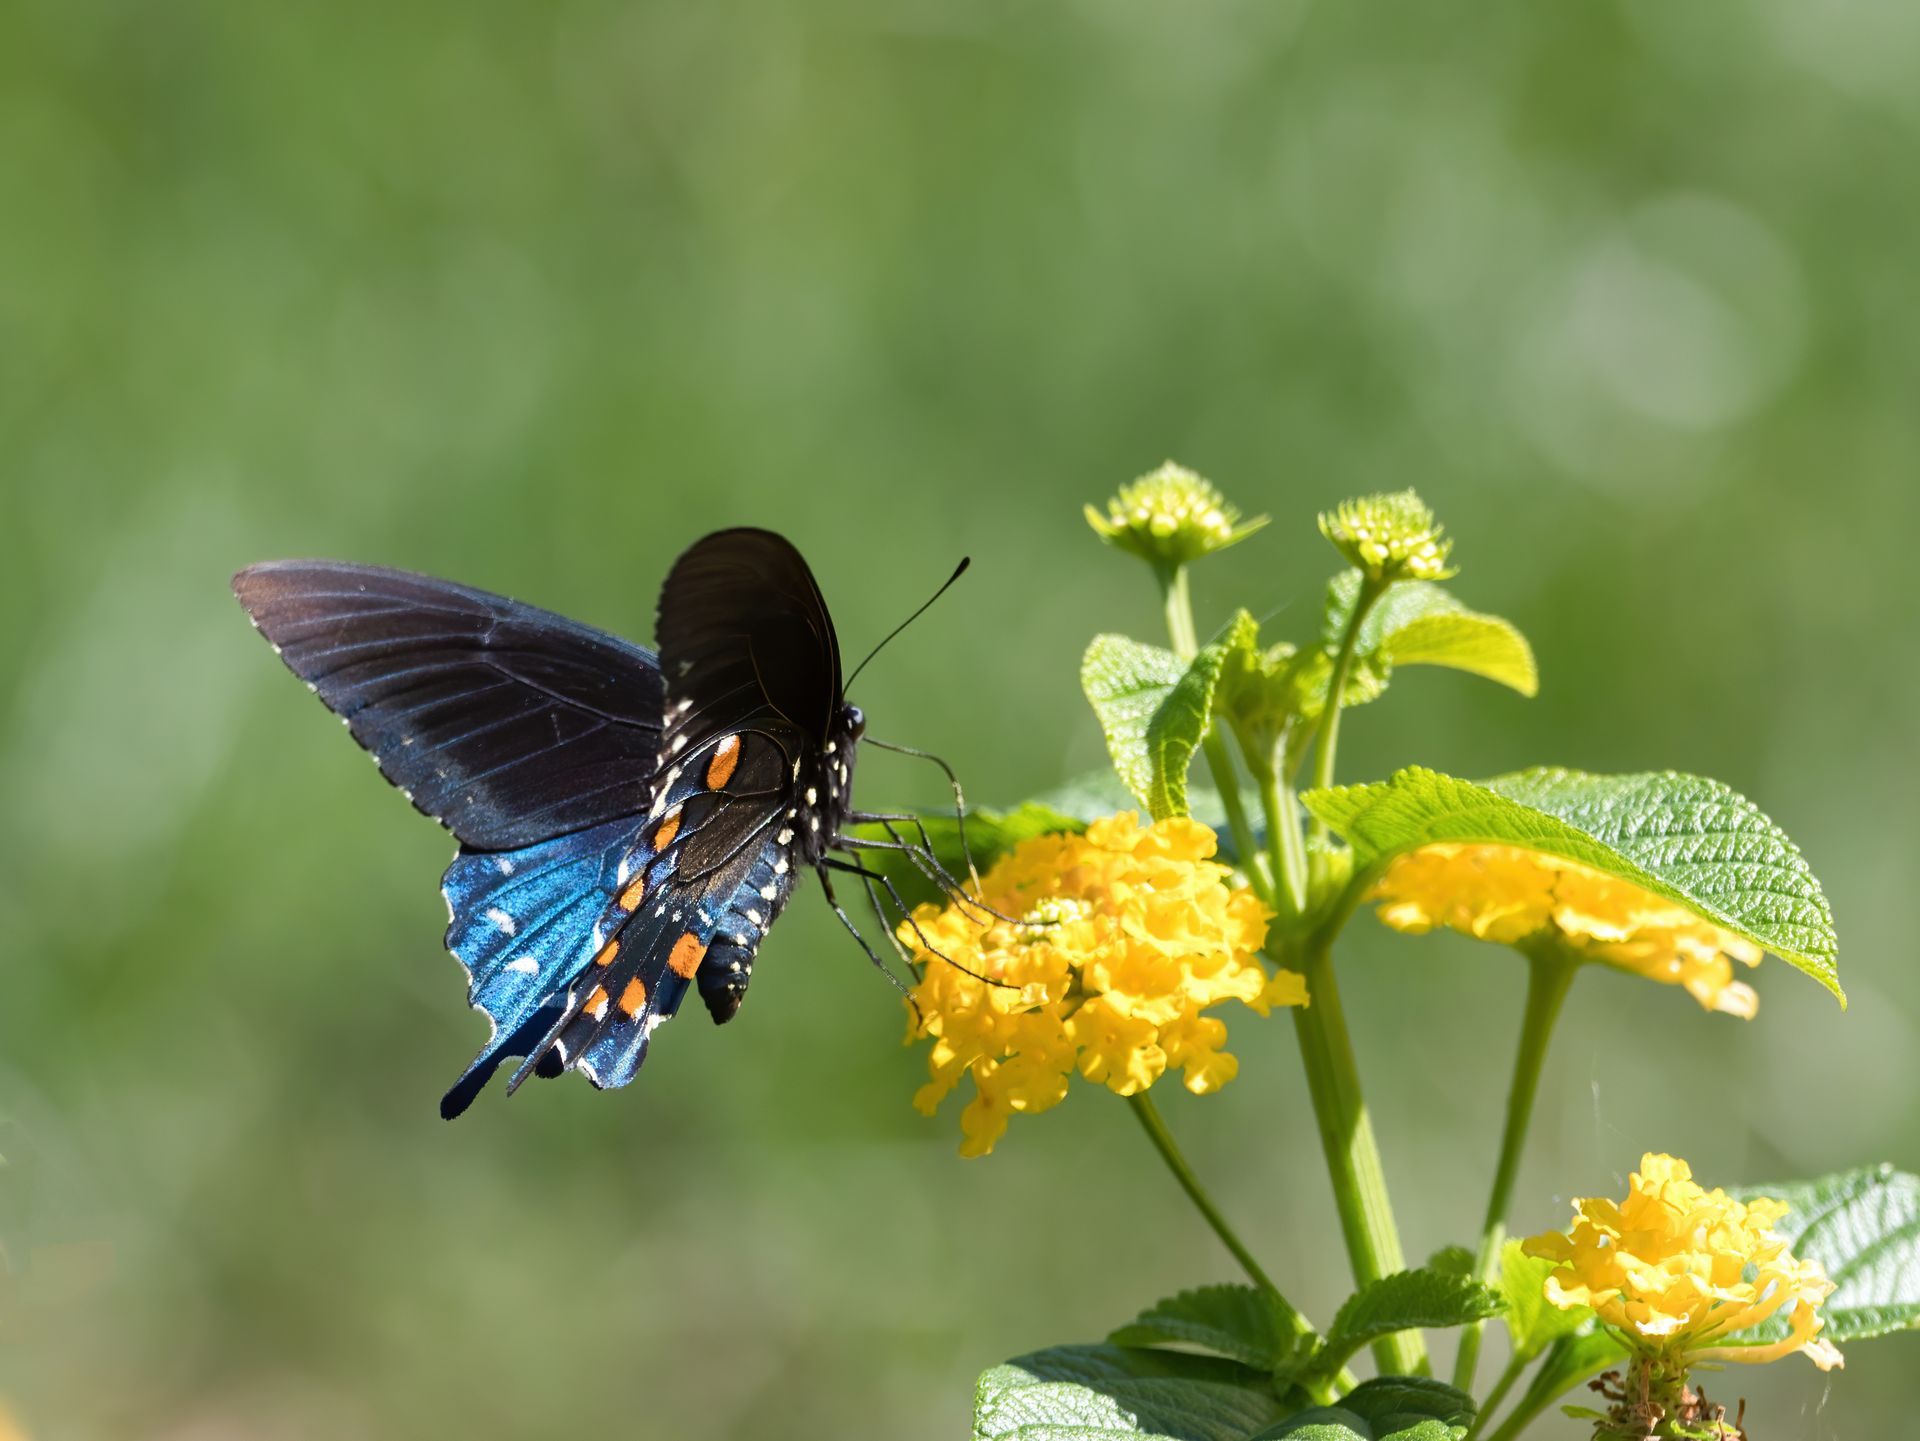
{"points": [[664, 833], [597, 1003], [608, 952], [726, 756], [636, 889], [633, 997], [686, 956]]}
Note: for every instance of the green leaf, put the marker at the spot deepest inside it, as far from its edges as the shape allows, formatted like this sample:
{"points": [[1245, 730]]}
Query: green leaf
{"points": [[1127, 683], [1387, 1408], [1570, 1361], [1404, 1301], [1453, 1261], [1863, 1227], [1532, 1320], [1105, 1393], [1240, 1322], [1420, 623], [1154, 711], [1690, 840], [1482, 645], [990, 835]]}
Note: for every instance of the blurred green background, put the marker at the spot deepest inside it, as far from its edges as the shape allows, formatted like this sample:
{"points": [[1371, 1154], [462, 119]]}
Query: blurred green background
{"points": [[532, 295]]}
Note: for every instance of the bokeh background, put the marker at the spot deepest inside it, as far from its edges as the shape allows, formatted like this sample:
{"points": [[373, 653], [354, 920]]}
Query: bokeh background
{"points": [[532, 295]]}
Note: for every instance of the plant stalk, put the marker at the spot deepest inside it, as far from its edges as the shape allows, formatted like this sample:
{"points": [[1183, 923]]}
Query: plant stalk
{"points": [[1352, 1153], [1303, 1330], [1287, 850], [1549, 976], [1328, 741], [1178, 603], [1148, 1115], [1516, 1368]]}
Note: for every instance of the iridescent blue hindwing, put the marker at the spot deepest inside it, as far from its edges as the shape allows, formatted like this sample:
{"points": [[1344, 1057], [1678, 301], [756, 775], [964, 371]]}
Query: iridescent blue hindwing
{"points": [[522, 923]]}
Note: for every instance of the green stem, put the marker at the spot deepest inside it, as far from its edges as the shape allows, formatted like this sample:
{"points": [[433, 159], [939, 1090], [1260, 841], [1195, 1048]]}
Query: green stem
{"points": [[1322, 1391], [1287, 850], [1516, 1368], [1328, 741], [1352, 1153], [1163, 1142], [1178, 602], [1333, 1078], [1549, 975]]}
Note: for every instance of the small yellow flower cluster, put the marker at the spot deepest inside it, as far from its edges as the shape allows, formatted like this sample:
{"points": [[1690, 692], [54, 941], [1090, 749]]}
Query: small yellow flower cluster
{"points": [[1124, 936], [1520, 897], [1677, 1269], [1170, 516], [1390, 537]]}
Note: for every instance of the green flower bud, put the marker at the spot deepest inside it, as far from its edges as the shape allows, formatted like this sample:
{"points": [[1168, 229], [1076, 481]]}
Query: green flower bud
{"points": [[1389, 537], [1170, 517]]}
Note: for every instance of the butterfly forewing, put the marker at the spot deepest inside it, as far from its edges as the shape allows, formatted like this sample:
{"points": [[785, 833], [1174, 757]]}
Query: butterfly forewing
{"points": [[506, 723]]}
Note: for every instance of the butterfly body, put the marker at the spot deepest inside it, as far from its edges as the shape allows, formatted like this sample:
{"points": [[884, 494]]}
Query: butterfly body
{"points": [[630, 825]]}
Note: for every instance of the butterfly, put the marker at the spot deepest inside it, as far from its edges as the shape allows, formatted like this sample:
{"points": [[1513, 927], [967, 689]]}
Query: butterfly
{"points": [[630, 825]]}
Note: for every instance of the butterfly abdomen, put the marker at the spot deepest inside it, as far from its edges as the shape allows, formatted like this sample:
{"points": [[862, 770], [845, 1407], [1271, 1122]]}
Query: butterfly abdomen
{"points": [[742, 924]]}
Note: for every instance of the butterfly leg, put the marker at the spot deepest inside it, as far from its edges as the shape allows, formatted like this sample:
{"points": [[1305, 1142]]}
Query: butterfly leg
{"points": [[880, 919], [851, 868], [826, 885], [922, 858], [959, 800]]}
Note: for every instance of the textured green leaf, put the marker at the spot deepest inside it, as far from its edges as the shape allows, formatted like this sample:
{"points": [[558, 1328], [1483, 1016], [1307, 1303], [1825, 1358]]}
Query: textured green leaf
{"points": [[990, 835], [1154, 711], [1335, 1423], [1175, 732], [1105, 1393], [1863, 1227], [1482, 645], [1404, 1301], [1533, 1321], [1419, 623], [1127, 683], [1241, 1322], [1688, 839], [1387, 1408]]}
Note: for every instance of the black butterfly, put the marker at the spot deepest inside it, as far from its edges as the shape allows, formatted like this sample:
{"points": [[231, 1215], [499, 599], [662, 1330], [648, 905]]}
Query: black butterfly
{"points": [[627, 824]]}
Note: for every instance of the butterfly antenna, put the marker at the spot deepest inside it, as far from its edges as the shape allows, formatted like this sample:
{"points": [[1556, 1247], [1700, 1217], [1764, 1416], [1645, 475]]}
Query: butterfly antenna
{"points": [[958, 571]]}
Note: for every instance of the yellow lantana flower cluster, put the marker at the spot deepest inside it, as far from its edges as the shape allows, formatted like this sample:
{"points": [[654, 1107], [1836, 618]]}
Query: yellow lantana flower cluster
{"points": [[1122, 937], [1520, 897], [1677, 1269]]}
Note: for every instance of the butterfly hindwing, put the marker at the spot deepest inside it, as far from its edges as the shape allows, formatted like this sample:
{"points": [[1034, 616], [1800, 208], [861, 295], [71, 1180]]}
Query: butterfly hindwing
{"points": [[506, 723], [523, 924]]}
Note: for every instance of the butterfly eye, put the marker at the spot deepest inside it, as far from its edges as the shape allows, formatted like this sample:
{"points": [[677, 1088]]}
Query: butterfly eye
{"points": [[856, 721]]}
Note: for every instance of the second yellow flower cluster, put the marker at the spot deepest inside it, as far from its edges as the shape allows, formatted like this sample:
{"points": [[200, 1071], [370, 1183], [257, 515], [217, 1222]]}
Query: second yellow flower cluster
{"points": [[1121, 937]]}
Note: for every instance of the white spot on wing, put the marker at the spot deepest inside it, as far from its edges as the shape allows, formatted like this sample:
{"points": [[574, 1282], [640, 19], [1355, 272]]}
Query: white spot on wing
{"points": [[503, 865], [525, 965], [502, 920]]}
